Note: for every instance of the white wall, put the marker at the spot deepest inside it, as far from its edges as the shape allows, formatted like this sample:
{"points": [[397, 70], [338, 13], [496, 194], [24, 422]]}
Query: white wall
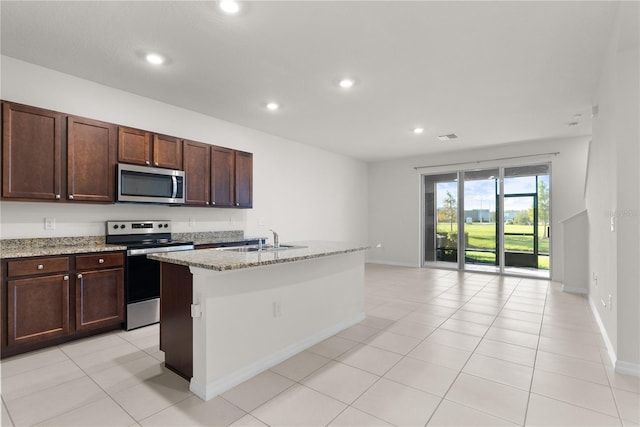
{"points": [[302, 192], [394, 196], [612, 193]]}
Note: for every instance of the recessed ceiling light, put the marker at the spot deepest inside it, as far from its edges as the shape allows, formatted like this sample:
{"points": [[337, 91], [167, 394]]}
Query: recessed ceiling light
{"points": [[447, 137], [155, 59], [273, 106], [346, 83], [418, 130], [230, 7]]}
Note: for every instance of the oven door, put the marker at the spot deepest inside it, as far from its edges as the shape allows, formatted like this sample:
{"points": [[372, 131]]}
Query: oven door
{"points": [[150, 185]]}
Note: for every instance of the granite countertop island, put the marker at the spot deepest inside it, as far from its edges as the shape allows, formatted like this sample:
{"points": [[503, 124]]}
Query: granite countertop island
{"points": [[222, 260], [226, 316]]}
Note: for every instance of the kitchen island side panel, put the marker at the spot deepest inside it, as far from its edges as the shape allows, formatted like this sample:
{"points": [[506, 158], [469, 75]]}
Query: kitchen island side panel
{"points": [[176, 335], [255, 318]]}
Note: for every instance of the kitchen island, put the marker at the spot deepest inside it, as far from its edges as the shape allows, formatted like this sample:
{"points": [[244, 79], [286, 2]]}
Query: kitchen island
{"points": [[226, 316]]}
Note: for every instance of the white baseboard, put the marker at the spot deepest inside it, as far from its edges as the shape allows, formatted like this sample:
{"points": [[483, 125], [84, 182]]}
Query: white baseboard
{"points": [[394, 263], [219, 386], [627, 368], [575, 290], [607, 342]]}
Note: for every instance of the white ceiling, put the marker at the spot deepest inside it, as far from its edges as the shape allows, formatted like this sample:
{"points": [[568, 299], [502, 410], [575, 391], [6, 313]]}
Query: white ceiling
{"points": [[492, 72]]}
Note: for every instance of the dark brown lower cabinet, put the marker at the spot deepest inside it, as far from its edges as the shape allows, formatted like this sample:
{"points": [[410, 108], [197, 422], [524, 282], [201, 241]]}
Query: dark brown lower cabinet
{"points": [[99, 298], [50, 300], [38, 309]]}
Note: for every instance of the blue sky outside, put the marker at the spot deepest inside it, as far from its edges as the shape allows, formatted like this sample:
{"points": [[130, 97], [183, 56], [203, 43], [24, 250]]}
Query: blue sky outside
{"points": [[481, 194]]}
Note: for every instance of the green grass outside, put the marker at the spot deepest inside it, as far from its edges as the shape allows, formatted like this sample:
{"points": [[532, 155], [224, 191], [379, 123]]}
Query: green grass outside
{"points": [[483, 237]]}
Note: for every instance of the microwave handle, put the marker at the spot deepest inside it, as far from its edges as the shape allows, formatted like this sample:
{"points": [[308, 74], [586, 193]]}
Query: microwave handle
{"points": [[174, 181]]}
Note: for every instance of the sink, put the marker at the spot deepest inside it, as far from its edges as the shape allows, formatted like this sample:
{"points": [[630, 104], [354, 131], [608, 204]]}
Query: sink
{"points": [[256, 248]]}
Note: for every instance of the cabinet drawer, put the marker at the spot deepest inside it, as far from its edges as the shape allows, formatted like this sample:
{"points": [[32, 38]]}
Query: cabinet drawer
{"points": [[103, 260], [37, 266]]}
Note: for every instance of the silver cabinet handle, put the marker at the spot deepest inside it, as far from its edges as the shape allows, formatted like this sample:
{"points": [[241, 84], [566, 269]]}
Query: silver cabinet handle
{"points": [[57, 197], [147, 162], [65, 278], [70, 196], [79, 276], [156, 163], [237, 204], [213, 203], [101, 261], [40, 267], [207, 203]]}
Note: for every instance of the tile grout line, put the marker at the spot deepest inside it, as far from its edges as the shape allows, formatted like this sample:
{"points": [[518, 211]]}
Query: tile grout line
{"points": [[535, 358]]}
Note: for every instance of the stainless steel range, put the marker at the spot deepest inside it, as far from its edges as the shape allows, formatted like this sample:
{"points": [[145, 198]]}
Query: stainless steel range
{"points": [[142, 275]]}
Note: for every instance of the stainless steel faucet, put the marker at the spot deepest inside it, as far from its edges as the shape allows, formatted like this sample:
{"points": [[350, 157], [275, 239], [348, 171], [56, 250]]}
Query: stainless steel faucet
{"points": [[276, 240]]}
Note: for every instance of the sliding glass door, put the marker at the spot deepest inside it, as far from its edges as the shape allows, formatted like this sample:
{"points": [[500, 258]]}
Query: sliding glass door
{"points": [[494, 220], [441, 219], [526, 220], [481, 228]]}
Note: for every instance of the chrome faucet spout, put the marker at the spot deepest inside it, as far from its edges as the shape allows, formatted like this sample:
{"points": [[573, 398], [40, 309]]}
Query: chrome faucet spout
{"points": [[276, 239]]}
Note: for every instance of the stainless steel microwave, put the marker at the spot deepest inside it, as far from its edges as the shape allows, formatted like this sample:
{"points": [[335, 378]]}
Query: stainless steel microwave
{"points": [[143, 184]]}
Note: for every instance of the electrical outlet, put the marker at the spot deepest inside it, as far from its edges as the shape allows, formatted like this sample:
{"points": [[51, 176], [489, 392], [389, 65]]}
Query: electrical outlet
{"points": [[277, 309], [49, 223]]}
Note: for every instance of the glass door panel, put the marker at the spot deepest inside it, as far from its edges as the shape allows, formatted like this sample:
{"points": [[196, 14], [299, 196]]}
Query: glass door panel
{"points": [[441, 219], [526, 213], [479, 221]]}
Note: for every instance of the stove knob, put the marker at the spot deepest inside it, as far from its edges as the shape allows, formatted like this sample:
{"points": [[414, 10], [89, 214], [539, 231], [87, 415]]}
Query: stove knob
{"points": [[166, 226], [122, 226], [115, 227], [160, 225]]}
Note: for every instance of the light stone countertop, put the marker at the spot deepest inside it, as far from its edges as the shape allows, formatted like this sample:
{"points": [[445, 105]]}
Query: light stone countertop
{"points": [[51, 246], [23, 248], [222, 260]]}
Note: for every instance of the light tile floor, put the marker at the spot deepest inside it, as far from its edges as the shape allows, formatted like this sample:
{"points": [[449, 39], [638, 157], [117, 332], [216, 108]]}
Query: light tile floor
{"points": [[438, 348]]}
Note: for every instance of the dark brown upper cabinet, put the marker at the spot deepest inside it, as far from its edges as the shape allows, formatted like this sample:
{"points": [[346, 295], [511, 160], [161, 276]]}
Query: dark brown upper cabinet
{"points": [[49, 156], [134, 146], [197, 170], [32, 152], [91, 160], [223, 177], [244, 179], [167, 152], [144, 148]]}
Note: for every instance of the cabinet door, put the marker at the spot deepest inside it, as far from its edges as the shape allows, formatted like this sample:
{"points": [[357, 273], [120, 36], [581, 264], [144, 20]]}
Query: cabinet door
{"points": [[197, 170], [37, 309], [134, 146], [244, 179], [91, 160], [32, 152], [222, 176], [99, 298], [167, 152]]}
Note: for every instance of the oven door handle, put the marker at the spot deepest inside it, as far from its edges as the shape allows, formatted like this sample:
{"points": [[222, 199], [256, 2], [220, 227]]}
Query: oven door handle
{"points": [[174, 182]]}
